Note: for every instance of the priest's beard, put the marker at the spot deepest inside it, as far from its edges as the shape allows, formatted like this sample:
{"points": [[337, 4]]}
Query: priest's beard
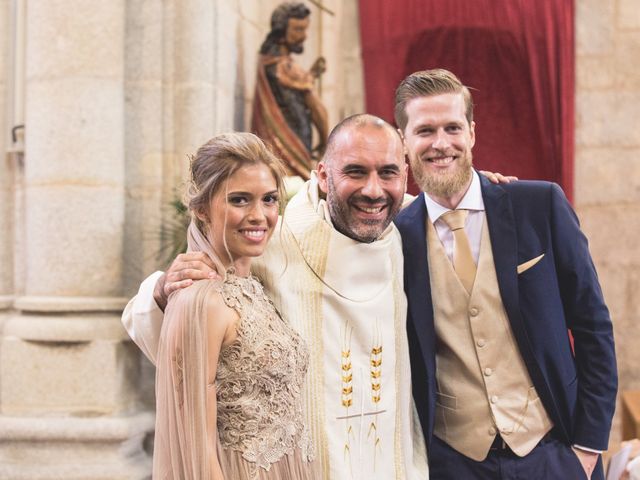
{"points": [[344, 220]]}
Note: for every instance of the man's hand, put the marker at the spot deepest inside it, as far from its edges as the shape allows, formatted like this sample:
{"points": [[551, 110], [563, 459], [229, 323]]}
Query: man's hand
{"points": [[498, 177], [186, 268], [588, 460]]}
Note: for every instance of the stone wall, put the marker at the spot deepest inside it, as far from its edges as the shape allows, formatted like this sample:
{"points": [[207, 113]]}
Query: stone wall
{"points": [[6, 184], [68, 375], [607, 181]]}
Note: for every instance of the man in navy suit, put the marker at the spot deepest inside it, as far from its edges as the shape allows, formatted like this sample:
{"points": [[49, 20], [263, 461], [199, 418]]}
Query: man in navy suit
{"points": [[495, 275]]}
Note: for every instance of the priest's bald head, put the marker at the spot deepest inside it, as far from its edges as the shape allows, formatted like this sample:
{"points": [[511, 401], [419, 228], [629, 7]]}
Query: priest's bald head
{"points": [[364, 176]]}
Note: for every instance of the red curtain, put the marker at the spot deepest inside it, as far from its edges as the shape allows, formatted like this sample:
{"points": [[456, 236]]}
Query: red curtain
{"points": [[517, 55]]}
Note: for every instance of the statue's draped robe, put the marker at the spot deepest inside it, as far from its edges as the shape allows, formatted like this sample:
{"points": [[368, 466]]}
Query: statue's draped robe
{"points": [[280, 115]]}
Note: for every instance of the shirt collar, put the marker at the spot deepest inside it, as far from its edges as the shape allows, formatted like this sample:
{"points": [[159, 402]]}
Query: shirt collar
{"points": [[472, 200]]}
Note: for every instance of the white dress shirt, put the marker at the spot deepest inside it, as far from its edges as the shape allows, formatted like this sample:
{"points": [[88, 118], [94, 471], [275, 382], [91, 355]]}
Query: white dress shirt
{"points": [[471, 201]]}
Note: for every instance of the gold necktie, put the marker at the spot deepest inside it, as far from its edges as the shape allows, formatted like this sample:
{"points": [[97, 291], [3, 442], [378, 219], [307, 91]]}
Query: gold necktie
{"points": [[463, 262]]}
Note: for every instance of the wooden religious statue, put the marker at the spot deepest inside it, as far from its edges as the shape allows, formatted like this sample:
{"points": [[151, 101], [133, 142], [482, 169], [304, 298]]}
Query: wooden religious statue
{"points": [[285, 105]]}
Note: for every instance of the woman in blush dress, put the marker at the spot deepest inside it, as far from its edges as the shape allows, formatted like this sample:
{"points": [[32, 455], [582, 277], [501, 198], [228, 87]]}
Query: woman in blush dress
{"points": [[230, 370]]}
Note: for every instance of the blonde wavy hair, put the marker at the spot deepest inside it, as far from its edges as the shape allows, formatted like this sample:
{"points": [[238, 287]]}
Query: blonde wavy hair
{"points": [[217, 160]]}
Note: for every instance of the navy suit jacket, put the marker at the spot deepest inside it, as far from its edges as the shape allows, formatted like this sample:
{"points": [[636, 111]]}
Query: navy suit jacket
{"points": [[560, 292]]}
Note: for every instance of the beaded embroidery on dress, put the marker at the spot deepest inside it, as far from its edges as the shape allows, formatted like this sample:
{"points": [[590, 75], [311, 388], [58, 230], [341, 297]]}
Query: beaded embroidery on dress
{"points": [[259, 384]]}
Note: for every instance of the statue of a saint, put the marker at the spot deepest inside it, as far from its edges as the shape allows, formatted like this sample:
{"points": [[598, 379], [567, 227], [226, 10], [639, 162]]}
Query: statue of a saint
{"points": [[285, 105]]}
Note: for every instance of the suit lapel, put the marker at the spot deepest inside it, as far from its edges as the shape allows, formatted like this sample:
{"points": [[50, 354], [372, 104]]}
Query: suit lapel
{"points": [[504, 243], [417, 276]]}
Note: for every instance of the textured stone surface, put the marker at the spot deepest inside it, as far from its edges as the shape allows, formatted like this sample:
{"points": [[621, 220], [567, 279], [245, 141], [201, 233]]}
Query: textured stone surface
{"points": [[607, 175], [628, 14], [595, 28], [226, 51], [224, 112], [74, 163], [4, 42], [69, 328], [82, 377], [59, 108], [353, 81], [144, 139], [74, 245], [627, 352], [194, 39], [6, 216], [6, 174], [74, 447], [195, 117], [143, 40], [606, 165], [607, 118], [626, 69], [615, 281], [600, 223], [144, 144], [65, 377], [250, 39], [6, 302], [75, 38], [594, 72], [250, 12], [70, 304]]}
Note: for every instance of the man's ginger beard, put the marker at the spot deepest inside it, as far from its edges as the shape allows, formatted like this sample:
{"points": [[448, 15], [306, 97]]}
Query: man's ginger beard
{"points": [[445, 184]]}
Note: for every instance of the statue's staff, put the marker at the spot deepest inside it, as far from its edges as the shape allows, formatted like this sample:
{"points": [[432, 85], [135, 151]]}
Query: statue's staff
{"points": [[318, 3], [320, 65]]}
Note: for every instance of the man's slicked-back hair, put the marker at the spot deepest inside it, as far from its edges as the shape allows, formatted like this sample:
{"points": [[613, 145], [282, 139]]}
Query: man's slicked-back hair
{"points": [[427, 83], [353, 122]]}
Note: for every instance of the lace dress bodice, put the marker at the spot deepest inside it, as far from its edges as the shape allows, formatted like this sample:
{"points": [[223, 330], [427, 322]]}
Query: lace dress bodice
{"points": [[259, 379]]}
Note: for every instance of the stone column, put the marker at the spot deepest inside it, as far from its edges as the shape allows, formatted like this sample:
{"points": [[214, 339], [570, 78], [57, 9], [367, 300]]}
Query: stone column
{"points": [[194, 59], [145, 143], [67, 375], [6, 195], [352, 84]]}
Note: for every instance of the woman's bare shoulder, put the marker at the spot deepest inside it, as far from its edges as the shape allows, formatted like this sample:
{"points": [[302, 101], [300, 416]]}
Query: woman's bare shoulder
{"points": [[202, 306], [204, 297]]}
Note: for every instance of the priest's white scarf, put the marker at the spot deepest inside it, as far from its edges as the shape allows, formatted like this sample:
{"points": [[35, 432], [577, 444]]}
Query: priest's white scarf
{"points": [[346, 299]]}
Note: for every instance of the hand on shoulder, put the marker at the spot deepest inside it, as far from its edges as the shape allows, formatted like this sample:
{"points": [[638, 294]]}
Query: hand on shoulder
{"points": [[184, 270], [202, 302], [497, 177]]}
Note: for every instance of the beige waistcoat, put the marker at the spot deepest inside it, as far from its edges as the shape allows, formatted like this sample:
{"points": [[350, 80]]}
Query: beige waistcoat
{"points": [[483, 384]]}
